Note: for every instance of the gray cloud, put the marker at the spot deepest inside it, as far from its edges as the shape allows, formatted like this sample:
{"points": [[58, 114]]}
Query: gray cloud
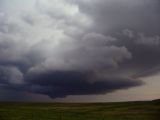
{"points": [[149, 41], [67, 47], [11, 75], [111, 15], [64, 83], [145, 53]]}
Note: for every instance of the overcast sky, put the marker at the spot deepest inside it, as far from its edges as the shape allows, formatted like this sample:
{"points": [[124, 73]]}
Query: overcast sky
{"points": [[79, 50]]}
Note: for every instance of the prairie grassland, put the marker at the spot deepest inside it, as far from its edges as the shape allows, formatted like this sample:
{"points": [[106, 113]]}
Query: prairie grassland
{"points": [[78, 111]]}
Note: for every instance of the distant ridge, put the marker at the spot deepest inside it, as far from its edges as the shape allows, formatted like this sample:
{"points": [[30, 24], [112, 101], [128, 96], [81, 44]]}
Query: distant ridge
{"points": [[157, 100]]}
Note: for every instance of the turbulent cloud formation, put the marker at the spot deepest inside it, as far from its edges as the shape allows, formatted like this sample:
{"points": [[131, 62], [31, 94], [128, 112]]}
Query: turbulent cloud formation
{"points": [[78, 47]]}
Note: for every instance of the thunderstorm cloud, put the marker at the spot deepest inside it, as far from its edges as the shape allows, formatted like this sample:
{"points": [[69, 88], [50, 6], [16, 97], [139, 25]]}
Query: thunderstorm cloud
{"points": [[78, 47]]}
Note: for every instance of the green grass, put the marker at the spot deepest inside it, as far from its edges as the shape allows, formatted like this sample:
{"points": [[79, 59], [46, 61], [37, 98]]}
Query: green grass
{"points": [[93, 111]]}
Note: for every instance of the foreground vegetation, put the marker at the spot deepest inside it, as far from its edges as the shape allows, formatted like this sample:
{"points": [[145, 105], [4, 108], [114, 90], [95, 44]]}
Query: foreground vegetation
{"points": [[93, 111]]}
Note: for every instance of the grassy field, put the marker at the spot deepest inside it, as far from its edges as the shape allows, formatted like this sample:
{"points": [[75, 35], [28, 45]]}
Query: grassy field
{"points": [[93, 111]]}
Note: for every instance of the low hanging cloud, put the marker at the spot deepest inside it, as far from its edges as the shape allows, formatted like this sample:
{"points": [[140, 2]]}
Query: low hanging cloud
{"points": [[66, 47], [63, 83]]}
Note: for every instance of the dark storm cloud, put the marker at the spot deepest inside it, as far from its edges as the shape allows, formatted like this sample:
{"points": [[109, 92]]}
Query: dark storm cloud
{"points": [[82, 47], [111, 15], [136, 26], [145, 51], [63, 83]]}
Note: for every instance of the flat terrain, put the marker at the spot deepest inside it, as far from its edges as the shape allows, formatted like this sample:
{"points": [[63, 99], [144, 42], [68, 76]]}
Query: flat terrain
{"points": [[94, 111]]}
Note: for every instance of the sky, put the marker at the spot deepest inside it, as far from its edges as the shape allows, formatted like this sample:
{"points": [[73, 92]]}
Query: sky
{"points": [[79, 50]]}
